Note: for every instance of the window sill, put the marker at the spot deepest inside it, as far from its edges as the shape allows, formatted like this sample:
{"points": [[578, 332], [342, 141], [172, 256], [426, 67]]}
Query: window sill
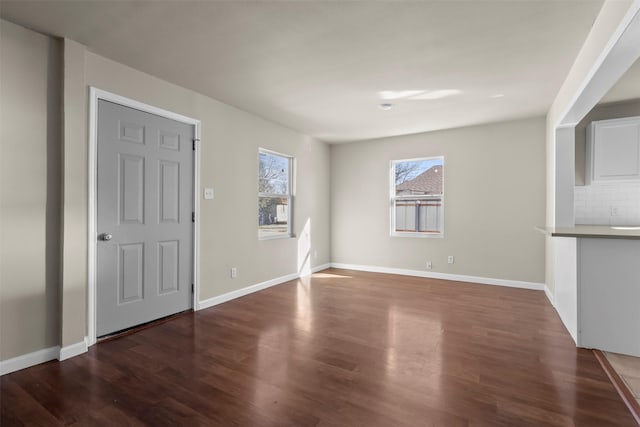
{"points": [[418, 235], [286, 236]]}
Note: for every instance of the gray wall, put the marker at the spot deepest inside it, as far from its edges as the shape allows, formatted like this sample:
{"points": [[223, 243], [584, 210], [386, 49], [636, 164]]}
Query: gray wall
{"points": [[613, 110], [494, 184], [29, 191], [35, 314]]}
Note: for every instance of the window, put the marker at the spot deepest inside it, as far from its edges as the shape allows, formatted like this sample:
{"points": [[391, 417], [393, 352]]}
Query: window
{"points": [[417, 197], [274, 195]]}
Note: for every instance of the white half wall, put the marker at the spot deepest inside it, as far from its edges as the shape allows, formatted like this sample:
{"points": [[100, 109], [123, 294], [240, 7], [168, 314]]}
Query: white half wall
{"points": [[565, 282]]}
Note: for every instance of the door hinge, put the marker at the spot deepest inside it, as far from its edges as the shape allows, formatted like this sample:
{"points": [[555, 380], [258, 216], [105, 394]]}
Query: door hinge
{"points": [[192, 288], [196, 140], [193, 217]]}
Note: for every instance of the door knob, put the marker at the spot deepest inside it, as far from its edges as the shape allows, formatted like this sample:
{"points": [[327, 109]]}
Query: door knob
{"points": [[105, 237]]}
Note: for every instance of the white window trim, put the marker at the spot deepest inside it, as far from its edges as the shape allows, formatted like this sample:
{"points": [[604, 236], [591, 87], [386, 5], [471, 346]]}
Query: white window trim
{"points": [[289, 196], [393, 198]]}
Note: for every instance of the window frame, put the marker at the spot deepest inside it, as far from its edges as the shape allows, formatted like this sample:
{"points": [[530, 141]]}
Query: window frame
{"points": [[289, 195], [393, 198]]}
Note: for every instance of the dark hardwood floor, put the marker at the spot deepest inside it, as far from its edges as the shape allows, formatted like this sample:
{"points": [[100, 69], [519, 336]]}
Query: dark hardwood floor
{"points": [[343, 348]]}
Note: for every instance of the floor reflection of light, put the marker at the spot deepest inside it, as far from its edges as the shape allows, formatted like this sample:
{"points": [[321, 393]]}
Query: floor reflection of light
{"points": [[280, 347], [414, 340], [272, 366], [560, 377], [304, 318], [304, 249]]}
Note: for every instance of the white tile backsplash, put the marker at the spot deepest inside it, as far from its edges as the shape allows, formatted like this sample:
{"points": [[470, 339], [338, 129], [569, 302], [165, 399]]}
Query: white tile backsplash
{"points": [[593, 204]]}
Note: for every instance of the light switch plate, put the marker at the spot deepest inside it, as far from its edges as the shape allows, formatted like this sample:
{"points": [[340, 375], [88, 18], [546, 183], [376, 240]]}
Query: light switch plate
{"points": [[208, 193]]}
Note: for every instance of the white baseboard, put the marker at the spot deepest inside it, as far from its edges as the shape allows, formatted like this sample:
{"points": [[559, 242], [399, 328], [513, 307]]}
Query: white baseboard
{"points": [[210, 302], [28, 360], [321, 267], [73, 349], [445, 276], [549, 295]]}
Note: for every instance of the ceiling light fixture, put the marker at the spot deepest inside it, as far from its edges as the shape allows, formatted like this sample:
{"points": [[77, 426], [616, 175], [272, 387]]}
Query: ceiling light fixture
{"points": [[385, 106]]}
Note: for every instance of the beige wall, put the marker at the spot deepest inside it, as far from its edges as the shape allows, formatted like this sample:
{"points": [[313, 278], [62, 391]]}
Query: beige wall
{"points": [[494, 197], [600, 112], [29, 191], [35, 314]]}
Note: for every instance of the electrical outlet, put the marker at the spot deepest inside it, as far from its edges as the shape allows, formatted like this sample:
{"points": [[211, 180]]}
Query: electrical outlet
{"points": [[234, 272], [450, 259], [614, 210], [208, 193], [429, 265]]}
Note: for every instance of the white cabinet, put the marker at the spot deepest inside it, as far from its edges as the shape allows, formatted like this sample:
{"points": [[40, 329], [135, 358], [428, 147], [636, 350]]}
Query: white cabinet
{"points": [[613, 151]]}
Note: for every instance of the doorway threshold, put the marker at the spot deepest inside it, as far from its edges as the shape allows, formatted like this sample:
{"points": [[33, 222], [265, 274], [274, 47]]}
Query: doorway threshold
{"points": [[141, 327]]}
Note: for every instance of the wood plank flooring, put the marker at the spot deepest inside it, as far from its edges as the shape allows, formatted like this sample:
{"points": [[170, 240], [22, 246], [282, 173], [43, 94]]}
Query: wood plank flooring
{"points": [[342, 348]]}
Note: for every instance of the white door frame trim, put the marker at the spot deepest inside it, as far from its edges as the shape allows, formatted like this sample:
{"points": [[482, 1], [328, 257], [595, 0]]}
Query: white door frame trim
{"points": [[95, 95]]}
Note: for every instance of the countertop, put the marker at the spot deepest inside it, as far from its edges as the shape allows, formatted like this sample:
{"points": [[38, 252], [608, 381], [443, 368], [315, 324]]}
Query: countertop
{"points": [[590, 231]]}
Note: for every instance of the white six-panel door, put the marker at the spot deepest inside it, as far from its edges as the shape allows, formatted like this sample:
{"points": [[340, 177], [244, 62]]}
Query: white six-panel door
{"points": [[144, 217]]}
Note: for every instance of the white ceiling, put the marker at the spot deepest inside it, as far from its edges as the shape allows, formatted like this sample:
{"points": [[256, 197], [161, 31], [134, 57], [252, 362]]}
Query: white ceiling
{"points": [[318, 66]]}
